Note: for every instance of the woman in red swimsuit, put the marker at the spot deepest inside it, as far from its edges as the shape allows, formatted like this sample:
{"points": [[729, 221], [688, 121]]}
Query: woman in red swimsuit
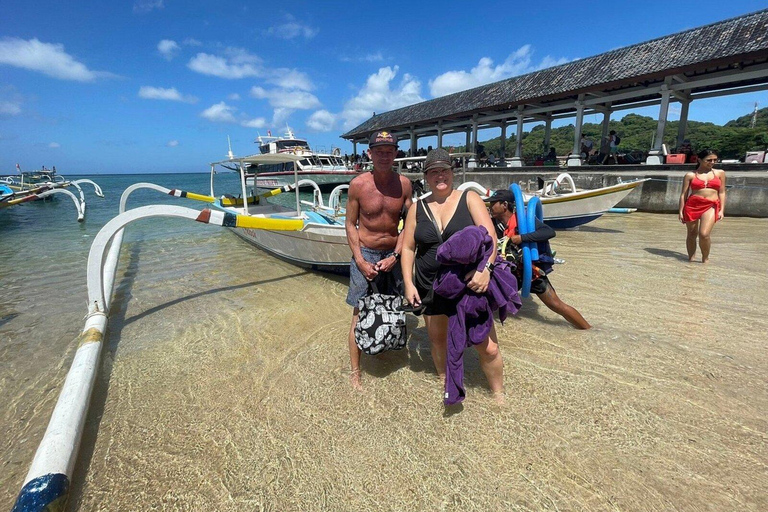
{"points": [[702, 203]]}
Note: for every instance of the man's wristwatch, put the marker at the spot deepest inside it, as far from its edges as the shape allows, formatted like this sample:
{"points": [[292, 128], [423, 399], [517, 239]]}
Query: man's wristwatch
{"points": [[396, 255]]}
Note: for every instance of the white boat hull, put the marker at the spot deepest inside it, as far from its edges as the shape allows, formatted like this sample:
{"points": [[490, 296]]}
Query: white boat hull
{"points": [[574, 209], [317, 247]]}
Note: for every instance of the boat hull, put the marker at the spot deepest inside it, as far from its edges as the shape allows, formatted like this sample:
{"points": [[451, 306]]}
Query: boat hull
{"points": [[320, 245], [574, 209], [315, 247]]}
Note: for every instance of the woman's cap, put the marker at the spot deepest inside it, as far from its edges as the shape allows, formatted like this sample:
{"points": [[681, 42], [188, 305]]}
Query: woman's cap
{"points": [[437, 159], [382, 138]]}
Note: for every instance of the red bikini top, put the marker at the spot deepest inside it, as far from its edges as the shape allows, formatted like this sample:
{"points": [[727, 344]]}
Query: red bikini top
{"points": [[698, 183]]}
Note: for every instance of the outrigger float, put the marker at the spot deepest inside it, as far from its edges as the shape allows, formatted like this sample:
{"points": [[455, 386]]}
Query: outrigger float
{"points": [[46, 486]]}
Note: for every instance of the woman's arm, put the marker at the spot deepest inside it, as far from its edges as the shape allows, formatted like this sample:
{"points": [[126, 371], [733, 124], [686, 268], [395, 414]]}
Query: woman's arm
{"points": [[407, 257], [683, 196], [478, 281], [721, 194]]}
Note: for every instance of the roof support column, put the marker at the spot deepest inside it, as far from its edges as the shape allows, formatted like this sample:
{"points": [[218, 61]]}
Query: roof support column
{"points": [[502, 149], [354, 149], [413, 141], [605, 146], [683, 122], [574, 160], [655, 155], [469, 139], [473, 159], [439, 134], [547, 134], [517, 160]]}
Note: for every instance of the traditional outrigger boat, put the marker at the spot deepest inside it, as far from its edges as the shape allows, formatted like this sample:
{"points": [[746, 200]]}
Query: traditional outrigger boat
{"points": [[12, 194], [566, 206], [321, 243]]}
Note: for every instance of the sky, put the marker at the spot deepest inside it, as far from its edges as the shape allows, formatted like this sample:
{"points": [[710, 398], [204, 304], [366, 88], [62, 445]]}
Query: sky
{"points": [[148, 86]]}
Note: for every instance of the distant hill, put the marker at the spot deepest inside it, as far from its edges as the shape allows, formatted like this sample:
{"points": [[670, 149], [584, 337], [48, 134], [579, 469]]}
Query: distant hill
{"points": [[637, 132]]}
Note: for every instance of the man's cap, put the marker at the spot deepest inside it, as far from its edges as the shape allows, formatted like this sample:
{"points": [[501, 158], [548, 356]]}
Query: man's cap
{"points": [[437, 159], [382, 138], [501, 195]]}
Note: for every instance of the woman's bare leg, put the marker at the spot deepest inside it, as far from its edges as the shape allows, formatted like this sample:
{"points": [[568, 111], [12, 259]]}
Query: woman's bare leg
{"points": [[437, 329], [491, 363], [690, 238], [706, 223]]}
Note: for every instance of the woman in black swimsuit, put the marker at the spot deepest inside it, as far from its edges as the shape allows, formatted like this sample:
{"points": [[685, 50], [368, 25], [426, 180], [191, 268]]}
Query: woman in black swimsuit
{"points": [[452, 210]]}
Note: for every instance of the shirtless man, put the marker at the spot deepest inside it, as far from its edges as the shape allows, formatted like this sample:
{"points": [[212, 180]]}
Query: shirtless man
{"points": [[375, 203]]}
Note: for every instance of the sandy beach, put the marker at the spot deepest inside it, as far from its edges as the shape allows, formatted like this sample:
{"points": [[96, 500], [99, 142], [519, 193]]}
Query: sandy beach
{"points": [[224, 386]]}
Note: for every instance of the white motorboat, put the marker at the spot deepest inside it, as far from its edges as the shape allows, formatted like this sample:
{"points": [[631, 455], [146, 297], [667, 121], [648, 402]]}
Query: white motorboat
{"points": [[321, 243], [327, 170]]}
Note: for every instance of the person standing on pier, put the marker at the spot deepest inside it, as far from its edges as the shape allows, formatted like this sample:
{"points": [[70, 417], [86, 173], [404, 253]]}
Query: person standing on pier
{"points": [[375, 204], [702, 203]]}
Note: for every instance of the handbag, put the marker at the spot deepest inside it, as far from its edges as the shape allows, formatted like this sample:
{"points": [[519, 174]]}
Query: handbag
{"points": [[380, 323]]}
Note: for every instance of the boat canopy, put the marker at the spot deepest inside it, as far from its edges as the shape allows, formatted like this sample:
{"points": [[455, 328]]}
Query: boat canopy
{"points": [[267, 158]]}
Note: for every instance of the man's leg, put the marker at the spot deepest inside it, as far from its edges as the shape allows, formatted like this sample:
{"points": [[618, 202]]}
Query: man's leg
{"points": [[354, 354], [553, 302]]}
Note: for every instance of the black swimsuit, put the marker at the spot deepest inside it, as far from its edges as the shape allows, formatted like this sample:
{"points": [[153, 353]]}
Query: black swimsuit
{"points": [[427, 242]]}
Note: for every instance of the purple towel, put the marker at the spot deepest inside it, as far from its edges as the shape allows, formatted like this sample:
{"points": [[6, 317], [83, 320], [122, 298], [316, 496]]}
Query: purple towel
{"points": [[466, 250]]}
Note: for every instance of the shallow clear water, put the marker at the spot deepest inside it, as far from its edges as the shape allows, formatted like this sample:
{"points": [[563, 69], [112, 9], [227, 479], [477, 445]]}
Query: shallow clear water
{"points": [[224, 385]]}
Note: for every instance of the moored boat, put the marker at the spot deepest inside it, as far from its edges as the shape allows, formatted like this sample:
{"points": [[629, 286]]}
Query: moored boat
{"points": [[321, 243], [327, 170], [565, 206]]}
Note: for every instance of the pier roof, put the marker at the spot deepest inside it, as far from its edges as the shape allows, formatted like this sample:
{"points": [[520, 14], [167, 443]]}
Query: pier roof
{"points": [[727, 57]]}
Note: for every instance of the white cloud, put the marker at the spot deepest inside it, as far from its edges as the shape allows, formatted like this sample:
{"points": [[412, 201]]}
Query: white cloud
{"points": [[258, 122], [147, 5], [168, 49], [377, 95], [371, 57], [292, 30], [485, 72], [49, 59], [321, 121], [172, 143], [191, 42], [10, 108], [54, 145], [290, 79], [158, 93], [220, 113], [237, 63], [281, 98], [280, 116], [234, 97]]}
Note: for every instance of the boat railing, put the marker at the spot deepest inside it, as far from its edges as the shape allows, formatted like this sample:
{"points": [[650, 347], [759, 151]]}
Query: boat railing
{"points": [[555, 186]]}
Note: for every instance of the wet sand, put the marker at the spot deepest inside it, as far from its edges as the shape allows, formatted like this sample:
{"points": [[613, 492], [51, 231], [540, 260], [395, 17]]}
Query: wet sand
{"points": [[224, 386]]}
